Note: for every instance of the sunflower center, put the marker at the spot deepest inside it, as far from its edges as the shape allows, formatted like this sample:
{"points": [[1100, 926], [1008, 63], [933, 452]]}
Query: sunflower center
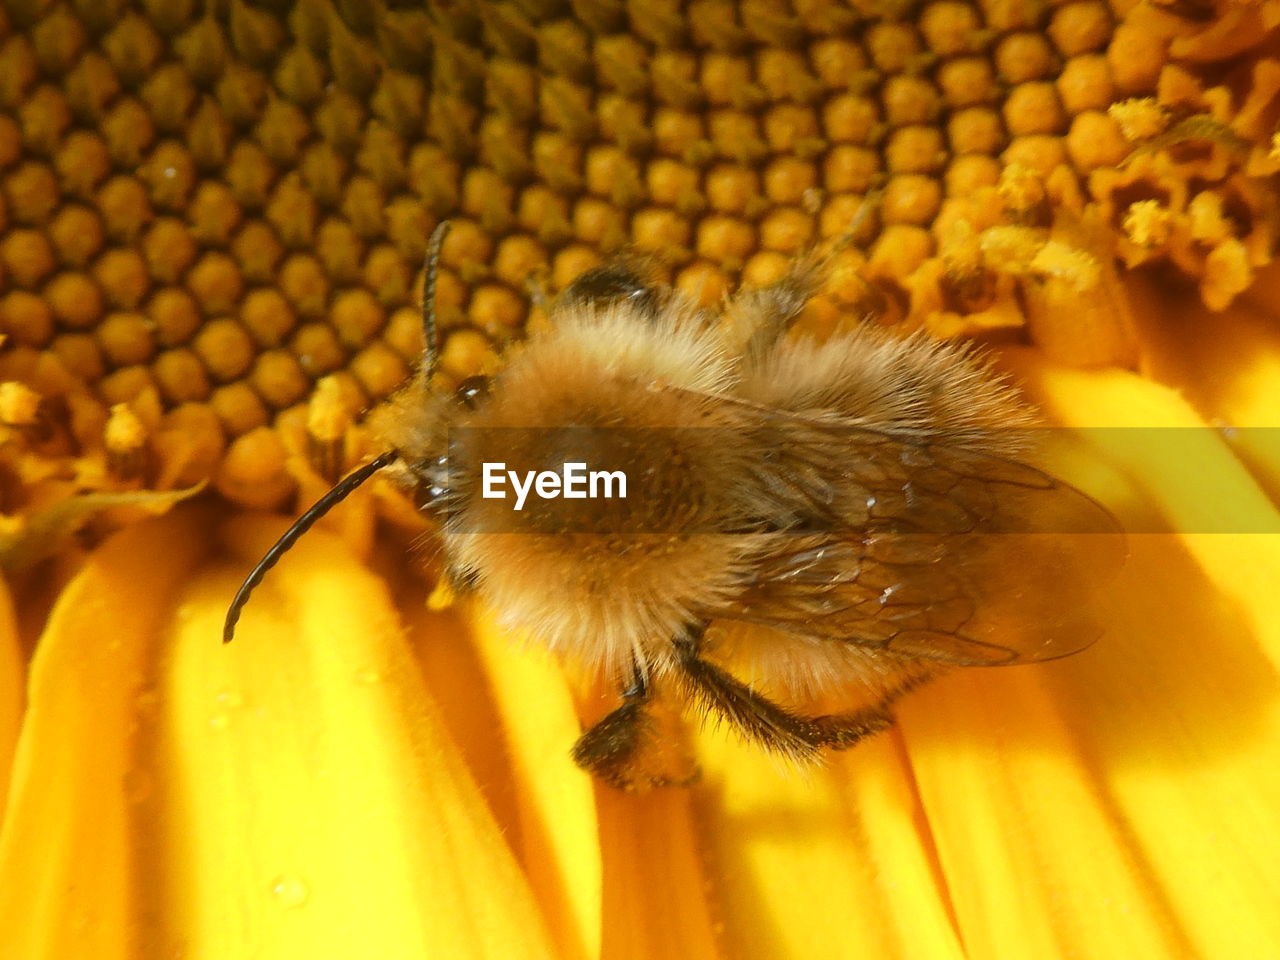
{"points": [[218, 211]]}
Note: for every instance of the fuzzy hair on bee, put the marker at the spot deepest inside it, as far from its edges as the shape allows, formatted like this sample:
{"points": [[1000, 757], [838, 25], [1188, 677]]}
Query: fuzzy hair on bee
{"points": [[814, 528]]}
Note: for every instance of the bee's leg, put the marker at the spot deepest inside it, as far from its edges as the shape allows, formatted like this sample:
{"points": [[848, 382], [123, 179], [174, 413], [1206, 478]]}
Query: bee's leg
{"points": [[759, 317], [840, 731], [607, 749], [761, 720], [755, 716]]}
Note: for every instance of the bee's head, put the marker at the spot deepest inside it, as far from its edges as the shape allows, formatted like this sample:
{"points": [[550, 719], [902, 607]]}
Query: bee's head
{"points": [[418, 427]]}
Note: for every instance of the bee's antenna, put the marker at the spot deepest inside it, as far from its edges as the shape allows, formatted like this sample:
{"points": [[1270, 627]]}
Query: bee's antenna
{"points": [[430, 356], [300, 526], [430, 346]]}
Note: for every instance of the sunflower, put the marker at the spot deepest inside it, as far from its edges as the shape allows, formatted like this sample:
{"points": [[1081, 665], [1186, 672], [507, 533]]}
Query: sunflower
{"points": [[212, 218]]}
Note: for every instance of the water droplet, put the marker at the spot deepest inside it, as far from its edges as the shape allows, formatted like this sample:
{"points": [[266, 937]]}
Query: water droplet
{"points": [[228, 698], [290, 891]]}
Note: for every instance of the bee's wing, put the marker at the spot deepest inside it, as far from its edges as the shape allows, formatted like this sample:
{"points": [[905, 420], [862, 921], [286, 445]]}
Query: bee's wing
{"points": [[925, 549]]}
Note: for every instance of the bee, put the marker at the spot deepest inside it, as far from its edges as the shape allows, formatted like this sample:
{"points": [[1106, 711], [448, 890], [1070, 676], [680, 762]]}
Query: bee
{"points": [[812, 528]]}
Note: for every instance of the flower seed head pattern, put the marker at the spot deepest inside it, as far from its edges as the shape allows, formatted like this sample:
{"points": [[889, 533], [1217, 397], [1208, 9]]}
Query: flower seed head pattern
{"points": [[204, 214]]}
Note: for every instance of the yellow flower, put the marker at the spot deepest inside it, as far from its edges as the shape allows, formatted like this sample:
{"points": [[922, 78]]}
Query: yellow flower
{"points": [[210, 227]]}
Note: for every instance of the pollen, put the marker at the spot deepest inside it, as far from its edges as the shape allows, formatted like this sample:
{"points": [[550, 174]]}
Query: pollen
{"points": [[124, 433], [327, 416], [229, 210], [1057, 259], [1148, 224], [1140, 118], [19, 404], [125, 438], [1021, 188]]}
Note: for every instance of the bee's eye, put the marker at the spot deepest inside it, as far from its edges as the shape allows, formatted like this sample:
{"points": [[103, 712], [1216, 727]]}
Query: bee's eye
{"points": [[471, 391]]}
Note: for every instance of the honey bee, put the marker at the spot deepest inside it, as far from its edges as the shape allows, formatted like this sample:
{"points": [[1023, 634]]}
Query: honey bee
{"points": [[836, 521]]}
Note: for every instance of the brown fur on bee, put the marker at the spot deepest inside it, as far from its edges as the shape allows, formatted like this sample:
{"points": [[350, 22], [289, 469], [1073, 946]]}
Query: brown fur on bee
{"points": [[839, 521]]}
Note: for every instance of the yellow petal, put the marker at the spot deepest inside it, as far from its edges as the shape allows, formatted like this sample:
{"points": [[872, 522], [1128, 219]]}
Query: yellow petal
{"points": [[69, 835], [656, 885], [651, 885], [798, 872], [456, 681], [1034, 862], [312, 802], [559, 844], [48, 531], [1191, 476], [1227, 365], [881, 794], [13, 677], [1178, 707]]}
